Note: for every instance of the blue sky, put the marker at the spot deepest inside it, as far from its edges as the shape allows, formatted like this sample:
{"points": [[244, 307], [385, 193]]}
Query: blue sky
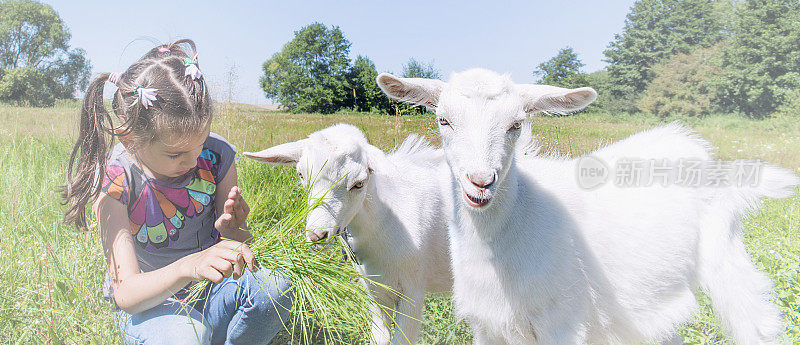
{"points": [[505, 36]]}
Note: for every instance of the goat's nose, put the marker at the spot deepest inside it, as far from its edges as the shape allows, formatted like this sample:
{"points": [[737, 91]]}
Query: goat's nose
{"points": [[482, 179]]}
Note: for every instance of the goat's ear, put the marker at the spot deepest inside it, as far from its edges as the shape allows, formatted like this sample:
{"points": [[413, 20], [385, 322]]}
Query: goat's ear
{"points": [[375, 158], [419, 91], [551, 99], [288, 153]]}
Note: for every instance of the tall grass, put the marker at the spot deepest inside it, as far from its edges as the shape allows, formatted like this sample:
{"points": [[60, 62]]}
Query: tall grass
{"points": [[50, 273]]}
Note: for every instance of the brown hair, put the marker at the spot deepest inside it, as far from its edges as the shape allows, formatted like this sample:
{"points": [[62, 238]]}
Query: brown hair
{"points": [[183, 106]]}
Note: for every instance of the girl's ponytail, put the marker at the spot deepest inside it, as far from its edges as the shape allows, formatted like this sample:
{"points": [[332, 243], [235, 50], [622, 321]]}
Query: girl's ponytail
{"points": [[87, 163]]}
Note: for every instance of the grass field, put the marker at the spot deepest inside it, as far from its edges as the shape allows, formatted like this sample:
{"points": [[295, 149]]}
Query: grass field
{"points": [[51, 274]]}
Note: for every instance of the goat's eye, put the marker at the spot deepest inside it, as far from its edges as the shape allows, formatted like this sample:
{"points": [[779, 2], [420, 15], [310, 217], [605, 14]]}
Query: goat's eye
{"points": [[358, 185], [516, 125], [443, 122]]}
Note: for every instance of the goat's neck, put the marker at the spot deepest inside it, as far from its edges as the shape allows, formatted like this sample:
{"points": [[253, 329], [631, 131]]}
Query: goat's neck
{"points": [[374, 213]]}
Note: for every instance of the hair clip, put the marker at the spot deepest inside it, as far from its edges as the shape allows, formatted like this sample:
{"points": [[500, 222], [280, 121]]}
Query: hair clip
{"points": [[164, 50], [114, 77], [146, 96], [191, 68]]}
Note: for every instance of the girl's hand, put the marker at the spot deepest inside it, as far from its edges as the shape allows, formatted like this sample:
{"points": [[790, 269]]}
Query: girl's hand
{"points": [[235, 211], [220, 261]]}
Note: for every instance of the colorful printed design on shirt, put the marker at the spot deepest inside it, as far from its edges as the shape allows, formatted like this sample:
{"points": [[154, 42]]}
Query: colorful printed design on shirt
{"points": [[115, 184], [158, 211]]}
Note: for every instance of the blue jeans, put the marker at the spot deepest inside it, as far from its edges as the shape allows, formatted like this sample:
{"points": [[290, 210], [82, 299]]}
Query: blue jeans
{"points": [[248, 310]]}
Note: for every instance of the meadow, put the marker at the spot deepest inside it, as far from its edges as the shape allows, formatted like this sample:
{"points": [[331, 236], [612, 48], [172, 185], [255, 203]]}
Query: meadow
{"points": [[50, 274]]}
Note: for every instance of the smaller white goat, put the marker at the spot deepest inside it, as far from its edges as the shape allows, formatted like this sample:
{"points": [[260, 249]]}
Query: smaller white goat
{"points": [[539, 260], [395, 207]]}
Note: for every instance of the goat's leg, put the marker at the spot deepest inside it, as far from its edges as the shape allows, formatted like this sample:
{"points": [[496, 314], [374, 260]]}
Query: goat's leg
{"points": [[381, 320], [408, 317], [481, 336], [380, 331], [739, 292]]}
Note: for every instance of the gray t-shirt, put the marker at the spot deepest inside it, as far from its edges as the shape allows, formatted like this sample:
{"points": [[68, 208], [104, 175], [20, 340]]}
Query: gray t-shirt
{"points": [[168, 220]]}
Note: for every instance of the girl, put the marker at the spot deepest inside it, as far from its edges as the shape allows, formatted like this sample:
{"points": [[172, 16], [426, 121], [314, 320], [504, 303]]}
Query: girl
{"points": [[165, 196]]}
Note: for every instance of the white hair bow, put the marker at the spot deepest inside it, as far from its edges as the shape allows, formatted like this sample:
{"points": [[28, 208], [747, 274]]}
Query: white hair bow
{"points": [[114, 77], [146, 96], [191, 68]]}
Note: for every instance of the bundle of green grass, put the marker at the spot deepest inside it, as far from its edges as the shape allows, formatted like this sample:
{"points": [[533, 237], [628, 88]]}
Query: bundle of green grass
{"points": [[331, 303]]}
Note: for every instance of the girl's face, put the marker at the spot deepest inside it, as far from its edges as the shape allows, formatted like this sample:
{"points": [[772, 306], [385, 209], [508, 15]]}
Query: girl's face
{"points": [[171, 156]]}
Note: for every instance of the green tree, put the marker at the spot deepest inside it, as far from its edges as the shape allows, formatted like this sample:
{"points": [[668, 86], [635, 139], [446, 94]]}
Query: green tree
{"points": [[684, 84], [366, 93], [38, 66], [656, 30], [417, 69], [600, 81], [762, 63], [310, 73], [23, 86], [562, 70]]}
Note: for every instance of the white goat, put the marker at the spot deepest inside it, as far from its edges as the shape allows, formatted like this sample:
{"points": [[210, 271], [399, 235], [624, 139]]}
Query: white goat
{"points": [[539, 260], [395, 207]]}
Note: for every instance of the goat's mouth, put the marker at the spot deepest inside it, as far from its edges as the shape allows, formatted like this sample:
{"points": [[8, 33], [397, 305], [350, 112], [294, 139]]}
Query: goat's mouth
{"points": [[323, 234], [476, 201]]}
